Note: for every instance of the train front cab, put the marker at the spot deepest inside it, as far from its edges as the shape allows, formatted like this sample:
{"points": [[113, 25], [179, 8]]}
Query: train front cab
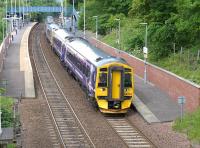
{"points": [[114, 88]]}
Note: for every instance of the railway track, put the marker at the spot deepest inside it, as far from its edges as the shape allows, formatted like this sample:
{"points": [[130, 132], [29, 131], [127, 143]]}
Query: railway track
{"points": [[69, 129], [70, 133], [129, 134], [53, 135]]}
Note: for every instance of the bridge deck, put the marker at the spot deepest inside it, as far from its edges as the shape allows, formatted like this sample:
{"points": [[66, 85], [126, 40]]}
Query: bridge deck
{"points": [[41, 9]]}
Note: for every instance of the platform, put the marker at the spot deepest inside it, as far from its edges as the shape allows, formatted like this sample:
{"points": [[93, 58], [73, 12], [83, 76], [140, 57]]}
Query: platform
{"points": [[7, 136], [17, 70], [154, 104]]}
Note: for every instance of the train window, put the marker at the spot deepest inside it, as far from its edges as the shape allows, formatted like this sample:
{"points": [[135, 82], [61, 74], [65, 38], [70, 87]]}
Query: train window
{"points": [[127, 70], [102, 80], [87, 72], [63, 48], [104, 69], [57, 42], [127, 80]]}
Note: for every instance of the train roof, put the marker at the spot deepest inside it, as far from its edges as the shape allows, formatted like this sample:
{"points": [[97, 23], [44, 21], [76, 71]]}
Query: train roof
{"points": [[95, 55], [54, 26], [62, 34], [49, 19]]}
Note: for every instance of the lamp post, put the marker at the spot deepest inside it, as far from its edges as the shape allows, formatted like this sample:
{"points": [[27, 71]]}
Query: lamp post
{"points": [[15, 8], [27, 11], [3, 29], [11, 16], [96, 17], [145, 37], [65, 6], [62, 14], [73, 19], [15, 17], [23, 12], [6, 17], [119, 32], [84, 19], [145, 51], [20, 17], [19, 8], [29, 5], [11, 11]]}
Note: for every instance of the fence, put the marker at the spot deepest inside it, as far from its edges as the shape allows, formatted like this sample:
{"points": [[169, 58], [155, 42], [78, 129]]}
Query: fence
{"points": [[170, 83], [3, 47]]}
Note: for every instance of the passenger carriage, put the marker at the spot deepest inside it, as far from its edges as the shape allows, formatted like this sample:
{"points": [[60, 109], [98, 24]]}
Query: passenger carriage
{"points": [[50, 29], [108, 80], [60, 36]]}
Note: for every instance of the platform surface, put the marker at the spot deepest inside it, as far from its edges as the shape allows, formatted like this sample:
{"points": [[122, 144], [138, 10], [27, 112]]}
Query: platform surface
{"points": [[156, 102], [12, 73], [7, 135]]}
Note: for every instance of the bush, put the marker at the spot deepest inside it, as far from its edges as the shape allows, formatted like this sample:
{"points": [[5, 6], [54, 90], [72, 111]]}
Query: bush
{"points": [[190, 126], [7, 112]]}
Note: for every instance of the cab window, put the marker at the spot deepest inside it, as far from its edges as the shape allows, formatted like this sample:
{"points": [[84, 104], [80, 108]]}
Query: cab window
{"points": [[102, 80], [127, 80]]}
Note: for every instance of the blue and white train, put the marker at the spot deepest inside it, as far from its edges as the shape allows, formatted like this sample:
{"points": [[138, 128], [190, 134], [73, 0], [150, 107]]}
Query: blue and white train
{"points": [[107, 80]]}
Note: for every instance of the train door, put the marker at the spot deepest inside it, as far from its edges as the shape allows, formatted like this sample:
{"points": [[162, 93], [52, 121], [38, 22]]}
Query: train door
{"points": [[116, 87], [62, 55], [116, 82]]}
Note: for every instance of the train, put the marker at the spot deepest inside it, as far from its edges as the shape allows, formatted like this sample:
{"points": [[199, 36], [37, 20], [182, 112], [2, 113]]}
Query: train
{"points": [[108, 81]]}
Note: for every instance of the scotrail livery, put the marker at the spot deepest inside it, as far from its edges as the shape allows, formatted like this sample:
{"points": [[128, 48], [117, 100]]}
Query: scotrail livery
{"points": [[107, 80]]}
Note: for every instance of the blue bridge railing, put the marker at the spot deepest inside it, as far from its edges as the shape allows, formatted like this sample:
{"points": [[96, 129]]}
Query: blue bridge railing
{"points": [[40, 9]]}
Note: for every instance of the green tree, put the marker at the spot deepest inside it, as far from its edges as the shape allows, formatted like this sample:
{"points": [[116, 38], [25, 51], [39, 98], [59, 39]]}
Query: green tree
{"points": [[187, 22], [107, 11]]}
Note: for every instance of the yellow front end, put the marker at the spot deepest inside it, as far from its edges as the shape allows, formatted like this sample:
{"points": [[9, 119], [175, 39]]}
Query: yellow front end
{"points": [[114, 88]]}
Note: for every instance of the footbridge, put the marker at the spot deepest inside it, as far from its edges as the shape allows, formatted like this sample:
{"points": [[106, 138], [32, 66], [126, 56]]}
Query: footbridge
{"points": [[48, 9]]}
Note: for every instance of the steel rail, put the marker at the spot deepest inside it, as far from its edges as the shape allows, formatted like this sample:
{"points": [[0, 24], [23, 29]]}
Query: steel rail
{"points": [[131, 136], [37, 71], [62, 94]]}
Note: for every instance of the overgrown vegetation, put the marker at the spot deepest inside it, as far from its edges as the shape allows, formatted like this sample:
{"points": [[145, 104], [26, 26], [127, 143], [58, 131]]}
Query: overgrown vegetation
{"points": [[7, 117], [6, 105], [41, 16], [2, 23], [172, 24], [189, 126], [7, 112]]}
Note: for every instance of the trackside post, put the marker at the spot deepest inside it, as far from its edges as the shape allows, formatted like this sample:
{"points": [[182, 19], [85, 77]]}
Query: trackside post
{"points": [[181, 101]]}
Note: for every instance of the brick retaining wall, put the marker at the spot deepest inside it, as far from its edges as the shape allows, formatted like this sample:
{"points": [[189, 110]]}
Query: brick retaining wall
{"points": [[170, 83]]}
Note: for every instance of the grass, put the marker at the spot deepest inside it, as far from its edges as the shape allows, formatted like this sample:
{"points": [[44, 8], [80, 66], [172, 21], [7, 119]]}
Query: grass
{"points": [[182, 65], [2, 14], [190, 125], [11, 146], [7, 111], [6, 102], [7, 114]]}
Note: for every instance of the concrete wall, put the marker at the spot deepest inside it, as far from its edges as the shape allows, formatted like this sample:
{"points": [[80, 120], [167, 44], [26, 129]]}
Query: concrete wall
{"points": [[170, 83]]}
